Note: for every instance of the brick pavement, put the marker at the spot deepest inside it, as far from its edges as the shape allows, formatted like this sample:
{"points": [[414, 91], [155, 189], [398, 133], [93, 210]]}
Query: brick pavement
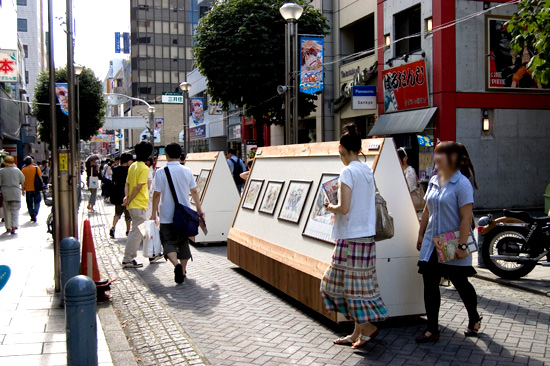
{"points": [[155, 338], [237, 320]]}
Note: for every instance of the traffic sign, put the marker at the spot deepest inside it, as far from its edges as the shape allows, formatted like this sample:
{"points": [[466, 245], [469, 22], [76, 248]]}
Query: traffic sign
{"points": [[119, 135]]}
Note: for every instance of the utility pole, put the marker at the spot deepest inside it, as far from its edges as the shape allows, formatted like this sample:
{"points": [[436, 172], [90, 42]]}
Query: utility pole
{"points": [[73, 143], [55, 153]]}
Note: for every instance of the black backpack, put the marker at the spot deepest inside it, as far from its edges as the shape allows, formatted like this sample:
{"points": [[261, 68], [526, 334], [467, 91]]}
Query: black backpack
{"points": [[237, 170]]}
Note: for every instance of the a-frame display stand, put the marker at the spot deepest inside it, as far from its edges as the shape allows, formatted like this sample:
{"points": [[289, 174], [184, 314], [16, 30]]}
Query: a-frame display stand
{"points": [[218, 192], [292, 256]]}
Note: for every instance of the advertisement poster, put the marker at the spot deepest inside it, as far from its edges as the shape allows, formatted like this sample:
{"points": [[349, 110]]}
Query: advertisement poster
{"points": [[320, 221], [63, 97], [8, 66], [507, 69], [405, 87], [197, 112], [363, 97], [197, 132], [214, 108], [311, 64], [159, 123]]}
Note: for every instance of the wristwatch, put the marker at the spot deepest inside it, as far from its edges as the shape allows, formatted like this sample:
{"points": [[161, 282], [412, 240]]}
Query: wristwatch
{"points": [[463, 246]]}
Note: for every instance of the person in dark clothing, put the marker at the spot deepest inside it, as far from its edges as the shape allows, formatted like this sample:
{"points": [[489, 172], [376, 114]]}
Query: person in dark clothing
{"points": [[120, 173], [236, 166]]}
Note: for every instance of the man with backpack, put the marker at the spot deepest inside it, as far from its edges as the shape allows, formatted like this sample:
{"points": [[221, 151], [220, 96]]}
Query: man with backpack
{"points": [[34, 185], [236, 166], [174, 180]]}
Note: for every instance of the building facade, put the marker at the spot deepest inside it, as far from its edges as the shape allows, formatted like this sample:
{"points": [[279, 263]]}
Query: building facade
{"points": [[478, 93]]}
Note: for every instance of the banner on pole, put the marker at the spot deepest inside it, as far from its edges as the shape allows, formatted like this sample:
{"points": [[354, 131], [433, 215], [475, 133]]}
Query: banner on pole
{"points": [[62, 94], [126, 42], [311, 64], [197, 111]]}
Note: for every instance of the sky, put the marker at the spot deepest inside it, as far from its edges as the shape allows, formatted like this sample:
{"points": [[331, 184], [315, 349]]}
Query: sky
{"points": [[96, 24]]}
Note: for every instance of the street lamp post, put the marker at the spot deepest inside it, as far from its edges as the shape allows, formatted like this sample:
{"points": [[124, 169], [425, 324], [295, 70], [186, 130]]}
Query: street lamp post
{"points": [[291, 12], [185, 87], [118, 99], [77, 71]]}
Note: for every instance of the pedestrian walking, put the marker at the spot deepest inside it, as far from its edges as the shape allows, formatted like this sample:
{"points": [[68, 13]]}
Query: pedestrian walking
{"points": [[12, 183], [181, 178], [136, 200], [107, 181], [450, 199], [33, 186], [236, 166], [93, 174], [46, 172], [350, 286], [120, 174]]}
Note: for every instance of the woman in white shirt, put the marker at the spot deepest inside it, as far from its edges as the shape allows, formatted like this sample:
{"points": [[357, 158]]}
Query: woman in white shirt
{"points": [[349, 286], [410, 173]]}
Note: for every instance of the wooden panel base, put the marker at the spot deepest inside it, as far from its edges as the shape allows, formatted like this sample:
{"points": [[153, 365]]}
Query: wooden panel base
{"points": [[300, 285]]}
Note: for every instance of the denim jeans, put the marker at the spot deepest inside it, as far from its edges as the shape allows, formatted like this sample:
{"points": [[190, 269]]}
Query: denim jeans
{"points": [[33, 202]]}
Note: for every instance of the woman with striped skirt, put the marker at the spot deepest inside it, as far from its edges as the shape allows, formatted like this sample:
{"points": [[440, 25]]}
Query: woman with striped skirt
{"points": [[349, 286]]}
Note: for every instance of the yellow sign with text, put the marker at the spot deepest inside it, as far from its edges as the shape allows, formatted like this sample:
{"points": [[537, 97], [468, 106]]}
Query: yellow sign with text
{"points": [[63, 162]]}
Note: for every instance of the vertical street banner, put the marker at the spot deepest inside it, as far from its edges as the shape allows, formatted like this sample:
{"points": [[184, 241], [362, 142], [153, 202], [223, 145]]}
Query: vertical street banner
{"points": [[197, 112], [405, 87], [311, 64], [117, 42], [8, 66], [62, 94], [126, 42]]}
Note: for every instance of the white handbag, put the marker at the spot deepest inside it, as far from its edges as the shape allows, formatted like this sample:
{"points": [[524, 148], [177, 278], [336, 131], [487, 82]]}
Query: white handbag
{"points": [[93, 183]]}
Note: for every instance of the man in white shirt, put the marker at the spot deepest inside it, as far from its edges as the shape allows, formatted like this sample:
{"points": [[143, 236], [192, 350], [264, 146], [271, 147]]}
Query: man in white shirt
{"points": [[175, 247]]}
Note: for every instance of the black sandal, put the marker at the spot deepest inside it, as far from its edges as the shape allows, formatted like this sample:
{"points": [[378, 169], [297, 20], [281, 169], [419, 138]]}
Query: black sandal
{"points": [[473, 328], [428, 337]]}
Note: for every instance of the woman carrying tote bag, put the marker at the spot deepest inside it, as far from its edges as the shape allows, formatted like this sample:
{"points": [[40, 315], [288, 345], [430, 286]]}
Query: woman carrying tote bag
{"points": [[349, 286]]}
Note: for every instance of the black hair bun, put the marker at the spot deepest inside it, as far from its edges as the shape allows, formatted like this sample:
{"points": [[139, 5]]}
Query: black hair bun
{"points": [[351, 129]]}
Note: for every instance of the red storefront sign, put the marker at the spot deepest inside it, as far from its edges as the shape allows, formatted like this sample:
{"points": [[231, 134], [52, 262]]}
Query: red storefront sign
{"points": [[405, 87]]}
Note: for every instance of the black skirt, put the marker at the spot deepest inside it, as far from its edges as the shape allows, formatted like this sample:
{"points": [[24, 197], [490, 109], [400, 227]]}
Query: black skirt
{"points": [[434, 268]]}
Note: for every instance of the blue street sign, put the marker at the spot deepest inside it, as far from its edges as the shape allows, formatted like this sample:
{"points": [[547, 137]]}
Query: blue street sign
{"points": [[119, 135], [126, 43], [117, 42]]}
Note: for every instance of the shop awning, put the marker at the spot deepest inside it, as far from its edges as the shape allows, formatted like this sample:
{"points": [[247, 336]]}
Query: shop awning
{"points": [[414, 121]]}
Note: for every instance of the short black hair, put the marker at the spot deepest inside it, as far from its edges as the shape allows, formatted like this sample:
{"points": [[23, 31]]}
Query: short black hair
{"points": [[126, 157], [232, 151], [173, 150], [144, 150], [183, 156]]}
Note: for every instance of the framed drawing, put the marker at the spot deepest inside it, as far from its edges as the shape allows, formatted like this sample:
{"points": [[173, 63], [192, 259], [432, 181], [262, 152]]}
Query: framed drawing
{"points": [[196, 177], [294, 201], [202, 180], [319, 221], [252, 194], [271, 196]]}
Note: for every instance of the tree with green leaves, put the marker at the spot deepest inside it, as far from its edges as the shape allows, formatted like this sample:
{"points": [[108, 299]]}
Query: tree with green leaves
{"points": [[92, 106], [240, 49], [530, 27]]}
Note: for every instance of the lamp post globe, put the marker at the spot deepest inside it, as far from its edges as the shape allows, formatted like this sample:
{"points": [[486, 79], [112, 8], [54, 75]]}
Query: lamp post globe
{"points": [[185, 86], [151, 109], [291, 11], [78, 69]]}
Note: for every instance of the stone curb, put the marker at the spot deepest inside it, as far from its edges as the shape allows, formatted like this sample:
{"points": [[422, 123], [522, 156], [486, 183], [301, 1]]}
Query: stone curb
{"points": [[500, 281]]}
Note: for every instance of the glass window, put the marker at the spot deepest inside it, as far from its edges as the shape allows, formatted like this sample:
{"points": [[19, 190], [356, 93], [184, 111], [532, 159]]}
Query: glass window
{"points": [[165, 27], [175, 77], [150, 76], [407, 23], [26, 50], [158, 76], [142, 76], [143, 25], [165, 4], [158, 26], [181, 53], [151, 51], [158, 51], [181, 28], [142, 51], [21, 24], [174, 53], [166, 76], [173, 28], [189, 53], [166, 52], [22, 2]]}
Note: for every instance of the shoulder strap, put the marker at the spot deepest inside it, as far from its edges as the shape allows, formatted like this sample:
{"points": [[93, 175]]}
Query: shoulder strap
{"points": [[171, 184]]}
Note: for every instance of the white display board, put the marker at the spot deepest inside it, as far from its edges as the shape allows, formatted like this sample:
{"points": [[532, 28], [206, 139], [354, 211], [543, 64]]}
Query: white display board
{"points": [[306, 246], [218, 192]]}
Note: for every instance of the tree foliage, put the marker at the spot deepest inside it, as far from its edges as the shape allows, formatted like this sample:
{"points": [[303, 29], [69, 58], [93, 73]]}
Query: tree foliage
{"points": [[531, 26], [241, 50], [92, 106]]}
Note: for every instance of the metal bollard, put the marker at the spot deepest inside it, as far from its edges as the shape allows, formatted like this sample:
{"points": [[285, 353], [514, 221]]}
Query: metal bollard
{"points": [[80, 316], [69, 252], [483, 221]]}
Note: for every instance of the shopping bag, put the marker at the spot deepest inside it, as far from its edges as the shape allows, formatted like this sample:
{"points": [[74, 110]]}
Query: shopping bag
{"points": [[93, 183], [151, 242]]}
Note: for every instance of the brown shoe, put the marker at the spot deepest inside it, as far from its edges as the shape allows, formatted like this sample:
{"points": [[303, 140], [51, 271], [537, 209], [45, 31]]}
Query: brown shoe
{"points": [[428, 337]]}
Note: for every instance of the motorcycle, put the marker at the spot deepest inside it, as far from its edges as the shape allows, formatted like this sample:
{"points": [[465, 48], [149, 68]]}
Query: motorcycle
{"points": [[515, 244]]}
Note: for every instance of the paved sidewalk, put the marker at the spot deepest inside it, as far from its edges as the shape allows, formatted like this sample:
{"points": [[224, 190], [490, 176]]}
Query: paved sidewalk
{"points": [[236, 319], [32, 324]]}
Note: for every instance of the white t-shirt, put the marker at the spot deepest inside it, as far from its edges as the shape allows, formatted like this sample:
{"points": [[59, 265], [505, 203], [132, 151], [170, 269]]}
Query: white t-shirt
{"points": [[410, 176], [183, 180], [360, 222]]}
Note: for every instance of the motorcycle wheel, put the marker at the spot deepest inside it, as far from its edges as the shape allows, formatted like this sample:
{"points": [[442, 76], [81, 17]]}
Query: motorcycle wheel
{"points": [[504, 269]]}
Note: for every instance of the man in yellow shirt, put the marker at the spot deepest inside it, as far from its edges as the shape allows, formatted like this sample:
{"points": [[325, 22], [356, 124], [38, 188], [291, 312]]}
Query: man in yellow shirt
{"points": [[33, 197], [136, 199]]}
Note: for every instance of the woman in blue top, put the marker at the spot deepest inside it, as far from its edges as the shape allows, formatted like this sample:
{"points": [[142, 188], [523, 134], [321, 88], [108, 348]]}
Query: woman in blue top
{"points": [[349, 286], [449, 203]]}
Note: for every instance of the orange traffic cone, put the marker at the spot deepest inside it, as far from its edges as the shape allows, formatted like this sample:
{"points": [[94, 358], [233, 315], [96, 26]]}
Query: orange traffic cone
{"points": [[88, 264]]}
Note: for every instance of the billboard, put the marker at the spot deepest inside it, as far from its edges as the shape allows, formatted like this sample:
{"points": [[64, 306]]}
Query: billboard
{"points": [[311, 64], [197, 112], [62, 94], [8, 66], [405, 87], [363, 97], [198, 132], [507, 68]]}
